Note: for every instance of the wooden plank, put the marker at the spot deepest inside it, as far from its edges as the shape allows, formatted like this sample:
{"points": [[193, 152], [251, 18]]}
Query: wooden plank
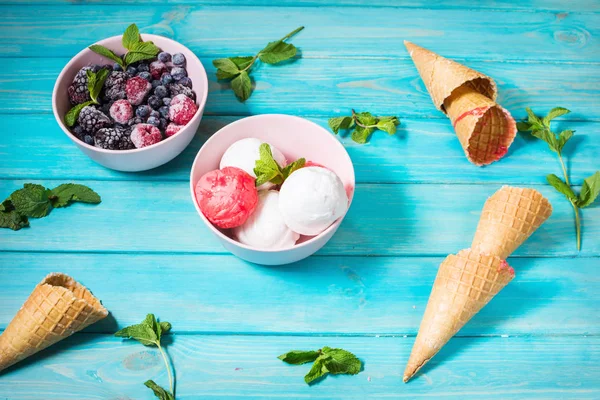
{"points": [[423, 151], [329, 87], [352, 295], [50, 31], [418, 220], [89, 367]]}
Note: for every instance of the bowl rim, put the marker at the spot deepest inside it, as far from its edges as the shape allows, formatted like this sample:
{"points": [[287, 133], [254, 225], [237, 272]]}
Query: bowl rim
{"points": [[201, 104], [334, 226]]}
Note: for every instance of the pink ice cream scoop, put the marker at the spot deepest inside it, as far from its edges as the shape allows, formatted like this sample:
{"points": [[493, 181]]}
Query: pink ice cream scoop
{"points": [[226, 197]]}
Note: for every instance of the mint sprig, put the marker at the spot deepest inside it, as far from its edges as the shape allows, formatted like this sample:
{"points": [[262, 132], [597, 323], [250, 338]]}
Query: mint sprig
{"points": [[36, 201], [94, 84], [364, 124], [268, 170], [237, 69], [149, 333], [138, 50], [540, 128], [326, 361]]}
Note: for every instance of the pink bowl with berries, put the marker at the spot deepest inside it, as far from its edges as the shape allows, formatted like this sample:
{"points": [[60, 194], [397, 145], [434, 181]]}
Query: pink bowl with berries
{"points": [[295, 138], [148, 146]]}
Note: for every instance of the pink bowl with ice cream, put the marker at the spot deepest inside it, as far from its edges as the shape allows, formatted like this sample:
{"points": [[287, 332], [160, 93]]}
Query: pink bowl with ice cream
{"points": [[295, 137]]}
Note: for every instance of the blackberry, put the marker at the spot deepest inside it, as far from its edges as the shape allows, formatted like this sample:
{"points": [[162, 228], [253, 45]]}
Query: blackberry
{"points": [[185, 81], [164, 111], [131, 70], [78, 91], [153, 121], [154, 102], [91, 119], [146, 75], [178, 59], [117, 138], [143, 67], [114, 86], [143, 111], [166, 101], [163, 56], [178, 73], [166, 78], [176, 88], [161, 91]]}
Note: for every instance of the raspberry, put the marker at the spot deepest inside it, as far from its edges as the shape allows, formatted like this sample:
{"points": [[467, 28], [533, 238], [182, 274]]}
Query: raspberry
{"points": [[137, 88], [176, 88], [114, 86], [92, 119], [172, 129], [78, 91], [116, 138], [178, 59], [157, 68], [182, 109], [145, 135], [121, 111]]}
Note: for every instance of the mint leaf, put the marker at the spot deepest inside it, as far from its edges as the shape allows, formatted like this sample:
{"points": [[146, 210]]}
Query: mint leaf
{"points": [[242, 62], [523, 126], [242, 86], [589, 190], [141, 51], [32, 201], [72, 115], [563, 138], [360, 135], [547, 137], [69, 192], [226, 65], [159, 392], [341, 361], [388, 125], [317, 371], [561, 186], [276, 52], [103, 51], [131, 37], [533, 119], [554, 113], [366, 118], [298, 357], [338, 123], [13, 220], [145, 332], [95, 82], [266, 168], [291, 167]]}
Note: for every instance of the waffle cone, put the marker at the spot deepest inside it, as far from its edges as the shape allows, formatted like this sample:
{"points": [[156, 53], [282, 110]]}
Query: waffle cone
{"points": [[58, 307], [465, 283], [508, 218]]}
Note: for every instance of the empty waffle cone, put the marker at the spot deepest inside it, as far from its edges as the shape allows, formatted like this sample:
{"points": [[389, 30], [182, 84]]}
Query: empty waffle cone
{"points": [[508, 218], [58, 307], [484, 129], [465, 283]]}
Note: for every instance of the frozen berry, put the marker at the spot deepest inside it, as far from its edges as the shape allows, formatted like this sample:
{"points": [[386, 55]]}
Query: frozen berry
{"points": [[131, 70], [145, 75], [185, 81], [143, 67], [156, 83], [105, 108], [182, 109], [78, 131], [176, 88], [135, 121], [164, 111], [155, 114], [163, 124], [172, 129], [114, 86], [88, 139], [117, 67], [96, 68], [161, 91], [178, 59], [78, 91], [121, 111], [157, 68], [145, 135], [166, 101], [154, 102], [143, 111], [153, 121], [177, 73], [117, 138], [163, 56], [137, 88], [92, 119], [166, 78]]}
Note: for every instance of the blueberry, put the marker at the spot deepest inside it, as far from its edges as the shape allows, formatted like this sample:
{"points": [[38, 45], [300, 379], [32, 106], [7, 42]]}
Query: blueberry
{"points": [[185, 81], [156, 83], [117, 67], [78, 130], [161, 91], [131, 70], [135, 121], [164, 56], [143, 111], [164, 111], [154, 114], [96, 68], [178, 73], [178, 59], [166, 78], [163, 124], [166, 101], [89, 140], [153, 121], [154, 102], [145, 75], [143, 67]]}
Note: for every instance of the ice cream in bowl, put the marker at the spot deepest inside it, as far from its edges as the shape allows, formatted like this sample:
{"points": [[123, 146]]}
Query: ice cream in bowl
{"points": [[273, 188]]}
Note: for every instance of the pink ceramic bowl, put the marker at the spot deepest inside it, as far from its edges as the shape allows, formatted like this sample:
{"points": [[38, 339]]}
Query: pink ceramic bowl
{"points": [[295, 137], [147, 157]]}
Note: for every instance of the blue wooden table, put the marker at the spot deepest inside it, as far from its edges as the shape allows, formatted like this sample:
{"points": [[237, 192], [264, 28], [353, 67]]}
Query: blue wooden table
{"points": [[144, 249]]}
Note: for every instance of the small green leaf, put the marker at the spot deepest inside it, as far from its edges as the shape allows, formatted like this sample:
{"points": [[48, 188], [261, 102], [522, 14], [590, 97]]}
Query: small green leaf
{"points": [[554, 113], [141, 51], [159, 392], [563, 138], [32, 201], [13, 220], [242, 62], [338, 123], [523, 126], [361, 135], [561, 186], [341, 361], [72, 115], [547, 137], [145, 332], [291, 167], [103, 51], [276, 52], [298, 357], [131, 37], [242, 86], [222, 75], [533, 119], [589, 190], [366, 118], [388, 124], [69, 192], [95, 85], [317, 371], [226, 65]]}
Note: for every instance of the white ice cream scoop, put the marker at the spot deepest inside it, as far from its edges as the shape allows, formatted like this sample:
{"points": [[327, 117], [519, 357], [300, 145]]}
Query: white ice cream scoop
{"points": [[311, 199], [243, 155], [265, 228]]}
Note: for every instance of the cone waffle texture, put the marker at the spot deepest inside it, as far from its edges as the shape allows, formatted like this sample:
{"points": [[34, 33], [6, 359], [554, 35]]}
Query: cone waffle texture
{"points": [[464, 284], [58, 307], [485, 129], [508, 218]]}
